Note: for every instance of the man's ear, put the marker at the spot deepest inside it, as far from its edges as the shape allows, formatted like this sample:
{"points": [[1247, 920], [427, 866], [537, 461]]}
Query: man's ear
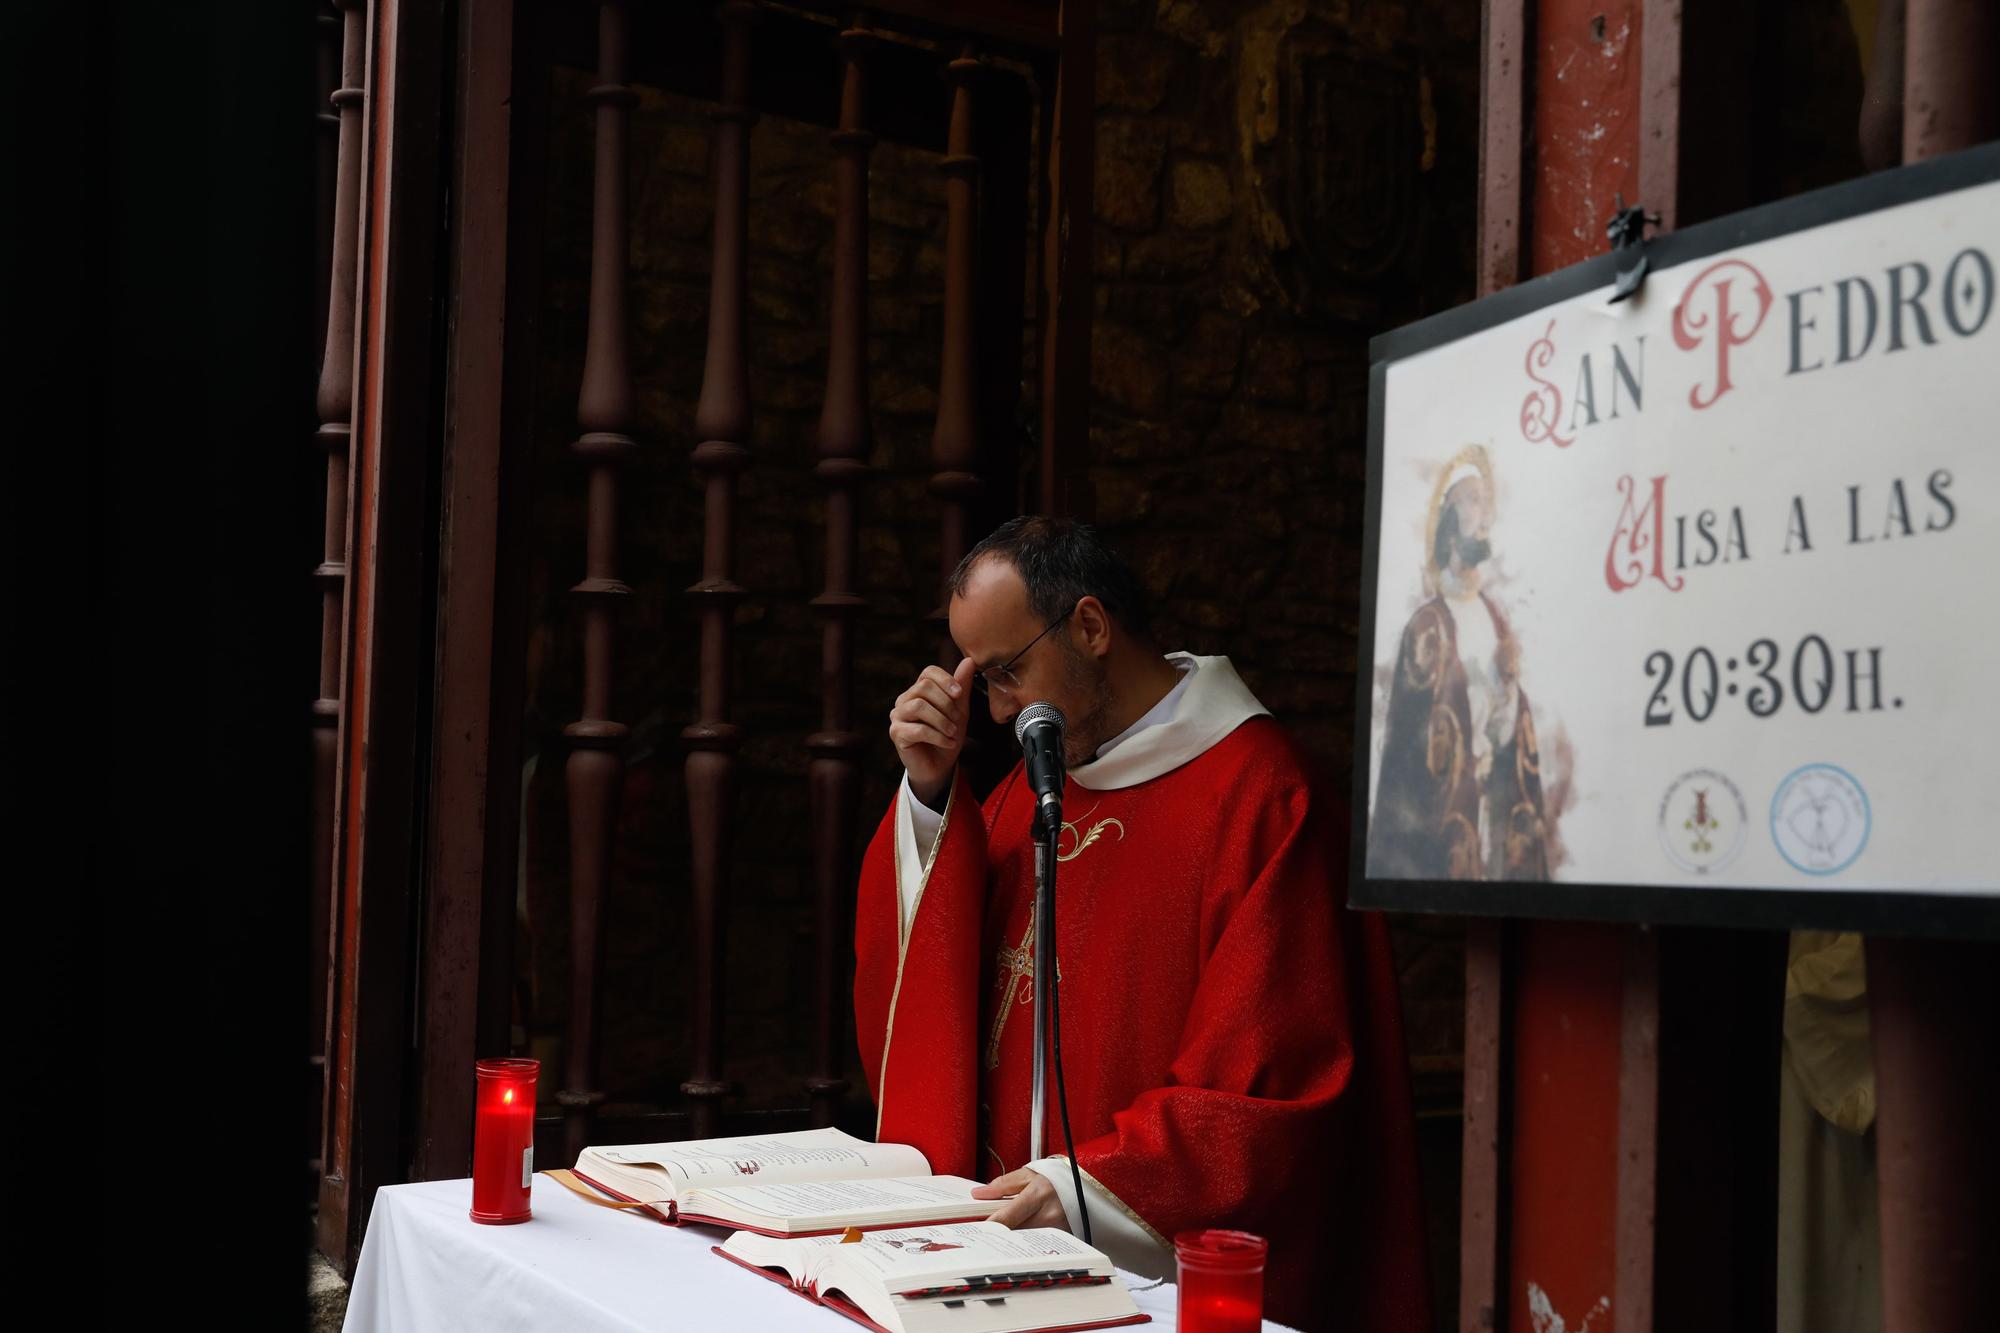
{"points": [[1093, 626]]}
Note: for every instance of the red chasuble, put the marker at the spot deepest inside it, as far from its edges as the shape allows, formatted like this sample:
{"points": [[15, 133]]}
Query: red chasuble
{"points": [[1231, 1037]]}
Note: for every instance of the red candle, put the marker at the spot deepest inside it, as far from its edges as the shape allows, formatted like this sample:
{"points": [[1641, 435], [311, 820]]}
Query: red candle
{"points": [[1221, 1281], [503, 1140]]}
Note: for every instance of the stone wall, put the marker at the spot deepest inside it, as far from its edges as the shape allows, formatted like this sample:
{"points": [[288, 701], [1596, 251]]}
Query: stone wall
{"points": [[1276, 182]]}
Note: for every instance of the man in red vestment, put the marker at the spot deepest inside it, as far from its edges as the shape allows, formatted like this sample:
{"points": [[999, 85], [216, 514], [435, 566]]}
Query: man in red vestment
{"points": [[1231, 1039]]}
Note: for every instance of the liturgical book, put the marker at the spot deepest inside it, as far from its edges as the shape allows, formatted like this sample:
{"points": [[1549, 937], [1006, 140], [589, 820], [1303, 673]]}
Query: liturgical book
{"points": [[802, 1184], [971, 1277]]}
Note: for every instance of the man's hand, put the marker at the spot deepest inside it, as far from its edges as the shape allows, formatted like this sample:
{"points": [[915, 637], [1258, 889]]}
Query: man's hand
{"points": [[1032, 1200], [927, 726]]}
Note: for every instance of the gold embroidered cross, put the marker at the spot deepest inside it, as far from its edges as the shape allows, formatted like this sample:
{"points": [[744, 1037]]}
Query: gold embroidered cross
{"points": [[1018, 964]]}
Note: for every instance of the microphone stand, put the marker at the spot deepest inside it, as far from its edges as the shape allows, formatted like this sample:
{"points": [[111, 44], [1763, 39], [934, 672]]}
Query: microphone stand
{"points": [[1048, 1010], [1045, 950]]}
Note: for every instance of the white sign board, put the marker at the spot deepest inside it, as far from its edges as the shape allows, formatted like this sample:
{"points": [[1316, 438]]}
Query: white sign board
{"points": [[1687, 607]]}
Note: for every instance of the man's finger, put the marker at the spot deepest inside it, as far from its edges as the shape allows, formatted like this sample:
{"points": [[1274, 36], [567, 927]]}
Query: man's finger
{"points": [[905, 734], [929, 691], [1012, 1215], [924, 711], [1001, 1187], [945, 680]]}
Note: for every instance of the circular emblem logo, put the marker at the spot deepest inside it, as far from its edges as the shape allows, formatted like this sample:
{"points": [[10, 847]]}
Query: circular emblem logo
{"points": [[1820, 819], [1703, 821]]}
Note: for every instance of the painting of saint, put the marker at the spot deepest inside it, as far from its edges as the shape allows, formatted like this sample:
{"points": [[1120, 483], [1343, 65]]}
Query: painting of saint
{"points": [[1459, 795]]}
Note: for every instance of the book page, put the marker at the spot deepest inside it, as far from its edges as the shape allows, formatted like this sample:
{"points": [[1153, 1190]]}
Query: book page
{"points": [[812, 1154], [792, 1254], [848, 1201], [886, 1275], [961, 1248]]}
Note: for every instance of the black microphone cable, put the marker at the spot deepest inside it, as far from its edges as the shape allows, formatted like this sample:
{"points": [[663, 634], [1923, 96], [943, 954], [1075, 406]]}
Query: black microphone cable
{"points": [[1055, 1043]]}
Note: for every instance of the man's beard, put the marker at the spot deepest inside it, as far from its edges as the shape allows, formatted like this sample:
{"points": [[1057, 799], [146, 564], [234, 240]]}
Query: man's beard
{"points": [[1085, 680]]}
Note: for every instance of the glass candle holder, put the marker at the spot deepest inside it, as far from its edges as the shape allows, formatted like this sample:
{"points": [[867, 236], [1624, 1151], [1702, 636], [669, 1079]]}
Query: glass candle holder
{"points": [[503, 1140], [1221, 1282]]}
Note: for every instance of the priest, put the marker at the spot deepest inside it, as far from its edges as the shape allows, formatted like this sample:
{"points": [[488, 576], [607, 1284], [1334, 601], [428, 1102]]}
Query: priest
{"points": [[1231, 1039]]}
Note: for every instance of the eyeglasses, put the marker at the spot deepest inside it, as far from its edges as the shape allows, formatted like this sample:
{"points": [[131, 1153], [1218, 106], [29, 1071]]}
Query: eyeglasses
{"points": [[1002, 677]]}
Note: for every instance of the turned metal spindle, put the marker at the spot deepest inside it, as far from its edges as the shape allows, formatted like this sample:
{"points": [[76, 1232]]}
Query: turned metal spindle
{"points": [[326, 174], [722, 426], [955, 441], [595, 771], [834, 772], [335, 406]]}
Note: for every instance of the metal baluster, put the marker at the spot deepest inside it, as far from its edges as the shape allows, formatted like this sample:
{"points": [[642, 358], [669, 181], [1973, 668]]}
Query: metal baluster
{"points": [[834, 772], [955, 441], [595, 772], [326, 181], [722, 424], [335, 406]]}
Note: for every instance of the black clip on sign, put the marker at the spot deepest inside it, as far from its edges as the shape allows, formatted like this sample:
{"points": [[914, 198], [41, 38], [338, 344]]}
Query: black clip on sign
{"points": [[1627, 233]]}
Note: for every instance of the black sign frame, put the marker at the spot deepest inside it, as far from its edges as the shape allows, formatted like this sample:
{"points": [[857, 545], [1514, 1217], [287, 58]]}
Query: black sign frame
{"points": [[1876, 911]]}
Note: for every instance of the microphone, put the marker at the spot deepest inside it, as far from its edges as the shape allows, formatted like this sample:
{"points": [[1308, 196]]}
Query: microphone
{"points": [[1039, 729]]}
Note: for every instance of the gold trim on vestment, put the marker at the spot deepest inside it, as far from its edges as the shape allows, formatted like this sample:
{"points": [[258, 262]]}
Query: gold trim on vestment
{"points": [[1123, 1207], [903, 934], [1083, 839]]}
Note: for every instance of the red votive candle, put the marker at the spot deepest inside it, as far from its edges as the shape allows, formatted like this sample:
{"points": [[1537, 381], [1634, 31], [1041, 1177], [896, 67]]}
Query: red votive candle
{"points": [[1221, 1282], [503, 1140]]}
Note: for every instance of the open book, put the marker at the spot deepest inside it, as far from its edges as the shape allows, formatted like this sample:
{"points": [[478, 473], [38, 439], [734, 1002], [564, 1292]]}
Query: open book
{"points": [[800, 1184], [969, 1277]]}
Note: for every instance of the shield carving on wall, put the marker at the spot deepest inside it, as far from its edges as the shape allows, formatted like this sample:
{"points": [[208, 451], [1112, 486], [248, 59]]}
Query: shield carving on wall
{"points": [[1353, 143]]}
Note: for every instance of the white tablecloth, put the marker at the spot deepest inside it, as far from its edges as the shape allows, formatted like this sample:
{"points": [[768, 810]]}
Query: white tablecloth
{"points": [[428, 1268]]}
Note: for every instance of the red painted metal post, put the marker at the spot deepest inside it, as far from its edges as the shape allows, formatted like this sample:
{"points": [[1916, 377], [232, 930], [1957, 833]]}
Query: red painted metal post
{"points": [[1567, 1028], [1586, 110], [1562, 1154]]}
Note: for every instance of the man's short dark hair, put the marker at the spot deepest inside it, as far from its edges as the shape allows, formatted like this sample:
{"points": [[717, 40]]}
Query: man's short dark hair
{"points": [[1061, 561]]}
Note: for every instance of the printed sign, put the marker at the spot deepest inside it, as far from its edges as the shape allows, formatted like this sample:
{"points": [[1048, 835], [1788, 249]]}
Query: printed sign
{"points": [[1687, 607]]}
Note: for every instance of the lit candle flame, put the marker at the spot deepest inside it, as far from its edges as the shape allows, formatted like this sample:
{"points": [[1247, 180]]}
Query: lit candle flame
{"points": [[507, 1096]]}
